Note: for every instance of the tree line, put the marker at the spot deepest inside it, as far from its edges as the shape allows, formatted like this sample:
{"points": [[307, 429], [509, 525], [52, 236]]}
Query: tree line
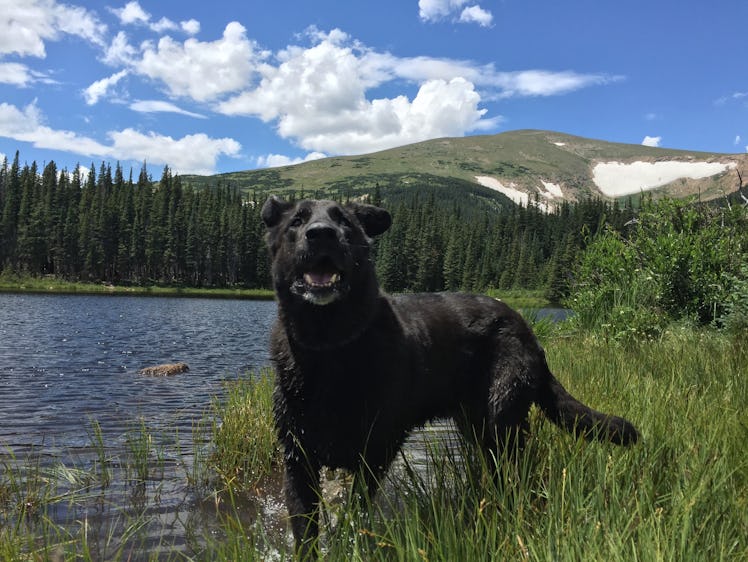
{"points": [[103, 227], [432, 248], [106, 227]]}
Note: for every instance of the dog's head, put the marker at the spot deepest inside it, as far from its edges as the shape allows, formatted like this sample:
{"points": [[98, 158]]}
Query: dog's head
{"points": [[320, 249]]}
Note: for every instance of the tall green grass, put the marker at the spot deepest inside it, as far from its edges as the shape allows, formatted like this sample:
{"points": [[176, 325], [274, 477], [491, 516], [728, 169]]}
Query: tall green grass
{"points": [[679, 494]]}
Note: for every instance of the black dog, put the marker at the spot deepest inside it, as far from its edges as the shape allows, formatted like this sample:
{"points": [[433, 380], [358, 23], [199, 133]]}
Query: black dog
{"points": [[357, 370]]}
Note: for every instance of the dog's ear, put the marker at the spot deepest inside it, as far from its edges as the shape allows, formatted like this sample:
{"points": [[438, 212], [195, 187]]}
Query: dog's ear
{"points": [[374, 219], [273, 211]]}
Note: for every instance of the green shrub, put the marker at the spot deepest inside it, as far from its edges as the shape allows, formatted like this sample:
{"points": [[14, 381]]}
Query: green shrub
{"points": [[679, 261]]}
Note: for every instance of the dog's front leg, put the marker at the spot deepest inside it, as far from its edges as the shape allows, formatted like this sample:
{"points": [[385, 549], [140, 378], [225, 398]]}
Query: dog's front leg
{"points": [[302, 489]]}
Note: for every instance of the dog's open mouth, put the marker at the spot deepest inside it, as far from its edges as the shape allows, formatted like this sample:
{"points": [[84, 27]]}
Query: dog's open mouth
{"points": [[320, 283], [321, 279]]}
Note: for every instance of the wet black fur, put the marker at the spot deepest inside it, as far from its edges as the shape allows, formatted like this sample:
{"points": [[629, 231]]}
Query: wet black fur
{"points": [[355, 376]]}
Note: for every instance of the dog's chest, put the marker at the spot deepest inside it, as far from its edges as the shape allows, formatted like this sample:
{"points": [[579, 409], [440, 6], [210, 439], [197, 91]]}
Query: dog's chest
{"points": [[336, 412]]}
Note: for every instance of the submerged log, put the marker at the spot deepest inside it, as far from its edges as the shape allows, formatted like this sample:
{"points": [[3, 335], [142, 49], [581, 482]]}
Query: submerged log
{"points": [[165, 370]]}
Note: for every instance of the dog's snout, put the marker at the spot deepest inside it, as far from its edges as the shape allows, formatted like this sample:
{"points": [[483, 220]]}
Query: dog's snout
{"points": [[321, 232]]}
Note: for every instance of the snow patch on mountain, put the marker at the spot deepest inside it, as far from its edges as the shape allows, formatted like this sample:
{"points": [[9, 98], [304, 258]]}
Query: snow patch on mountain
{"points": [[616, 179]]}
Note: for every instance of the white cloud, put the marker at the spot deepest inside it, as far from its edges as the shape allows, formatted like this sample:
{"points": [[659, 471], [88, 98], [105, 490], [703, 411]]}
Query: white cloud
{"points": [[498, 85], [737, 140], [318, 96], [15, 74], [191, 27], [158, 106], [120, 52], [26, 125], [134, 14], [734, 97], [3, 157], [196, 153], [532, 83], [652, 141], [277, 160], [476, 14], [434, 10], [26, 26], [100, 88], [202, 70], [437, 10]]}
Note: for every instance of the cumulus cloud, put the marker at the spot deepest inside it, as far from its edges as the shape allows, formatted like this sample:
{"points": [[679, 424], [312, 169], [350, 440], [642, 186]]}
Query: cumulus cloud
{"points": [[318, 97], [26, 26], [119, 52], [434, 10], [101, 88], [737, 140], [476, 14], [437, 10], [196, 153], [133, 14], [200, 70], [158, 106], [277, 160], [651, 141]]}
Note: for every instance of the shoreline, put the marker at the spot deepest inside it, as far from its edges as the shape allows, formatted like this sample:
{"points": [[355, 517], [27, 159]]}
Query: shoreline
{"points": [[58, 287], [524, 299]]}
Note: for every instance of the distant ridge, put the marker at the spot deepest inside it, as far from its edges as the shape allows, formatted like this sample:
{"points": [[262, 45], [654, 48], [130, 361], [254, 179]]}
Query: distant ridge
{"points": [[541, 167]]}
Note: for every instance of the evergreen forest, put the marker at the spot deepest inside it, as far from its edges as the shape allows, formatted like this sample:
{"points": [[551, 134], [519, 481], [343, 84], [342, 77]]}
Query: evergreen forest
{"points": [[106, 226]]}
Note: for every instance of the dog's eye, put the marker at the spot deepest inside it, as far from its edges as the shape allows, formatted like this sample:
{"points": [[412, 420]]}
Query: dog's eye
{"points": [[301, 216]]}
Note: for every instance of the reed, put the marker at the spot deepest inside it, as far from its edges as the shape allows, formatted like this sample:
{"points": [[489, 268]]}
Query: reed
{"points": [[245, 445]]}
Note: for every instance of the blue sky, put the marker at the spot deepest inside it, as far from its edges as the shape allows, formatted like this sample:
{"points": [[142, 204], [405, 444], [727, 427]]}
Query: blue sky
{"points": [[219, 86]]}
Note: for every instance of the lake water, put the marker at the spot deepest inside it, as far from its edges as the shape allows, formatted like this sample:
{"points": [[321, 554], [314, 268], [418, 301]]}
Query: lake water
{"points": [[69, 362], [65, 360]]}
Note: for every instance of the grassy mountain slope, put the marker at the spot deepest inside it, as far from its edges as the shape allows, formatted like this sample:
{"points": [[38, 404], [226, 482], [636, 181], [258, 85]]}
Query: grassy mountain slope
{"points": [[523, 160]]}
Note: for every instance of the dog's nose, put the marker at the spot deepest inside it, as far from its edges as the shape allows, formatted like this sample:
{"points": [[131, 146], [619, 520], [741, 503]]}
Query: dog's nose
{"points": [[320, 231]]}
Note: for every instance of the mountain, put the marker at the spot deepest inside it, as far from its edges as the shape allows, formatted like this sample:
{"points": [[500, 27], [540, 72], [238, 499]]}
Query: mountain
{"points": [[524, 166]]}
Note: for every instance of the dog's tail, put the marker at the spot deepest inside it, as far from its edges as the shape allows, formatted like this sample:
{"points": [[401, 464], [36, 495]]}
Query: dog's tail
{"points": [[569, 413]]}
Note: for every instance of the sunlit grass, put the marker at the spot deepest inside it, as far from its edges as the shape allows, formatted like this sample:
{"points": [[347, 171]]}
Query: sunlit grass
{"points": [[679, 494]]}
